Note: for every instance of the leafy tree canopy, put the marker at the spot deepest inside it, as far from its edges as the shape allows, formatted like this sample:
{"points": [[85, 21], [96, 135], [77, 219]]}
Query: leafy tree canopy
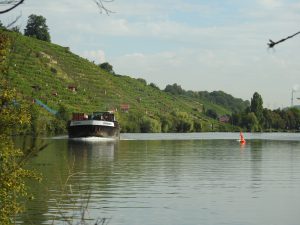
{"points": [[174, 89], [149, 125], [256, 106], [154, 86], [184, 122], [37, 27], [107, 67], [142, 81], [212, 113]]}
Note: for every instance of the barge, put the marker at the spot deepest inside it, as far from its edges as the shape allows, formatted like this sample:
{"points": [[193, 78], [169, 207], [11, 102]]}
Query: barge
{"points": [[97, 124]]}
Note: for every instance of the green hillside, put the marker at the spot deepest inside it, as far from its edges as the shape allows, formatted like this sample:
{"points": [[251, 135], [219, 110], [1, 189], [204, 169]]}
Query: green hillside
{"points": [[45, 71]]}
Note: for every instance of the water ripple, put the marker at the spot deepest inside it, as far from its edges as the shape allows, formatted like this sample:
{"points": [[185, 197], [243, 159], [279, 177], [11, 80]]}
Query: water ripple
{"points": [[193, 179]]}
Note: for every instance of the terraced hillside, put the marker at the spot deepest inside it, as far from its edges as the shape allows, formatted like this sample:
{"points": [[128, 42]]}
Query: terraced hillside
{"points": [[57, 77]]}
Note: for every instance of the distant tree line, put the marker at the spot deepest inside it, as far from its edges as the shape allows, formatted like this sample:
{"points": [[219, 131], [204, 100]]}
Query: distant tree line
{"points": [[176, 121], [216, 97], [256, 118], [250, 116]]}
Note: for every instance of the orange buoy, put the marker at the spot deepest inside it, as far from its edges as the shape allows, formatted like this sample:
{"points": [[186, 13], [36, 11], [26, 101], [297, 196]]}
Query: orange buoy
{"points": [[242, 139]]}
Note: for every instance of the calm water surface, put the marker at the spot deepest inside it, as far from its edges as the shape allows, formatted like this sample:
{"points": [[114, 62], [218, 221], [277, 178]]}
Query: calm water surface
{"points": [[176, 179]]}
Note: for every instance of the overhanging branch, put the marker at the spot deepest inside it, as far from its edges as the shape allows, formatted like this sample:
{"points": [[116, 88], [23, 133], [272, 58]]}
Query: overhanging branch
{"points": [[101, 6], [11, 4], [271, 43], [11, 7]]}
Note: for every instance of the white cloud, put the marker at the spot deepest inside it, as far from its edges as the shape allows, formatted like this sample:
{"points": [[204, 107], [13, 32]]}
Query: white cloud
{"points": [[270, 3], [157, 9], [184, 66], [98, 56]]}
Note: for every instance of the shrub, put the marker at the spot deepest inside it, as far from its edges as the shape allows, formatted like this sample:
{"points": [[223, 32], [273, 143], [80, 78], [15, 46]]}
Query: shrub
{"points": [[183, 122], [53, 70], [149, 125]]}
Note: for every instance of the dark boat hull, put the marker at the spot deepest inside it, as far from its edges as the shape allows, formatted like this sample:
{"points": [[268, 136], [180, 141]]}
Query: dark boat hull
{"points": [[77, 131]]}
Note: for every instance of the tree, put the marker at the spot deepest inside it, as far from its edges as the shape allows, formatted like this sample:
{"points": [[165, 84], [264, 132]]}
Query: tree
{"points": [[107, 67], [166, 124], [149, 125], [153, 85], [37, 27], [250, 122], [256, 106], [277, 121], [174, 89], [183, 121], [268, 119], [226, 100], [197, 125], [143, 81], [212, 113], [291, 117], [236, 119]]}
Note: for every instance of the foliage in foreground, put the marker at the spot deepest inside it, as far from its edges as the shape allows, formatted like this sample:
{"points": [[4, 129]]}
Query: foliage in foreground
{"points": [[12, 160]]}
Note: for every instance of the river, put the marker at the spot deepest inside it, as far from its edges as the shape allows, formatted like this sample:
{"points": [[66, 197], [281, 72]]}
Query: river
{"points": [[169, 179]]}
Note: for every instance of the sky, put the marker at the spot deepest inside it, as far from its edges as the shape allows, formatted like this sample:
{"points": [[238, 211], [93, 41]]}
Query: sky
{"points": [[202, 45]]}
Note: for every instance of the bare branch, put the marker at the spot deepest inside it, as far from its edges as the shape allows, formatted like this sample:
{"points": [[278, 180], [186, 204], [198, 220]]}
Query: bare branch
{"points": [[13, 22], [11, 3], [271, 43], [101, 6]]}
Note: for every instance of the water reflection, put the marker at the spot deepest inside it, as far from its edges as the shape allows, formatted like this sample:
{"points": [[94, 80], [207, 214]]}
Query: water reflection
{"points": [[167, 181], [83, 150], [256, 165], [71, 170]]}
